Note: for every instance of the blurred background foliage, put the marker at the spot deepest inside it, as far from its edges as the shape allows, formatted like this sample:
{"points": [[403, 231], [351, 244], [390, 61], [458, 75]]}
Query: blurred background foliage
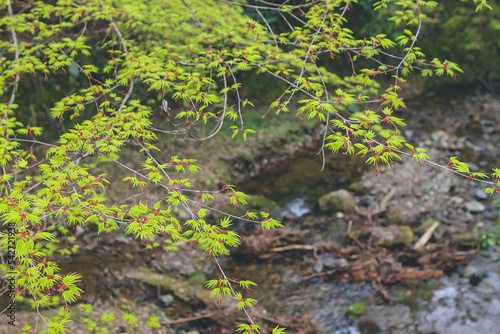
{"points": [[452, 31], [468, 38]]}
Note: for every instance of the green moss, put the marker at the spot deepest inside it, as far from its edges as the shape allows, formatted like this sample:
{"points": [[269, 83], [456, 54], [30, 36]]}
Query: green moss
{"points": [[393, 235], [200, 278], [423, 290], [394, 219], [261, 202], [357, 308], [429, 222]]}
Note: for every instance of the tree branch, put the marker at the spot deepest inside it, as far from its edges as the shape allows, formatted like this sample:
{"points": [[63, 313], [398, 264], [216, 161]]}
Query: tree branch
{"points": [[125, 50]]}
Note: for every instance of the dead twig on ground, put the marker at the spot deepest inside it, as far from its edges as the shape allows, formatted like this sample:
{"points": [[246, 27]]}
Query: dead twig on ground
{"points": [[426, 236], [292, 247]]}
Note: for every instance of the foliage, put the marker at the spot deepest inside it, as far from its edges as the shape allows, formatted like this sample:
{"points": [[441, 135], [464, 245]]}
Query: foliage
{"points": [[475, 48], [489, 239], [189, 58]]}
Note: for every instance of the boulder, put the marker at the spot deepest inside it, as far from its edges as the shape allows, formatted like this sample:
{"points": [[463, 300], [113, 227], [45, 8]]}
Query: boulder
{"points": [[340, 200]]}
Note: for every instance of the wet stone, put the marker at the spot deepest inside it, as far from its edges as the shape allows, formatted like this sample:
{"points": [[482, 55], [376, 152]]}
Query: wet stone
{"points": [[330, 261], [474, 207], [340, 200], [167, 300], [481, 194]]}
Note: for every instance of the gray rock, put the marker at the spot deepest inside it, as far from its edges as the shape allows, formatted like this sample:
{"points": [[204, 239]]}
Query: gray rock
{"points": [[472, 166], [474, 207], [340, 200], [456, 200], [389, 318], [330, 261], [481, 194], [167, 300], [440, 137], [408, 134]]}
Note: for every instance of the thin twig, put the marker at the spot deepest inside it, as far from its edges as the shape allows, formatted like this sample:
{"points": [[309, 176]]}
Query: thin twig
{"points": [[412, 44], [194, 14], [125, 50]]}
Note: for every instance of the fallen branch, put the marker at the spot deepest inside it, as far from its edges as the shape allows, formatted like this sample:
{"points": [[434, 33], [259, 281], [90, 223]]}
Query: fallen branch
{"points": [[426, 236], [422, 274], [292, 247]]}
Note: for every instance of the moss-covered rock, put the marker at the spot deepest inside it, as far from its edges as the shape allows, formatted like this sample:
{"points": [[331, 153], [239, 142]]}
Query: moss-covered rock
{"points": [[260, 202], [340, 200], [181, 288], [199, 278], [391, 235]]}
